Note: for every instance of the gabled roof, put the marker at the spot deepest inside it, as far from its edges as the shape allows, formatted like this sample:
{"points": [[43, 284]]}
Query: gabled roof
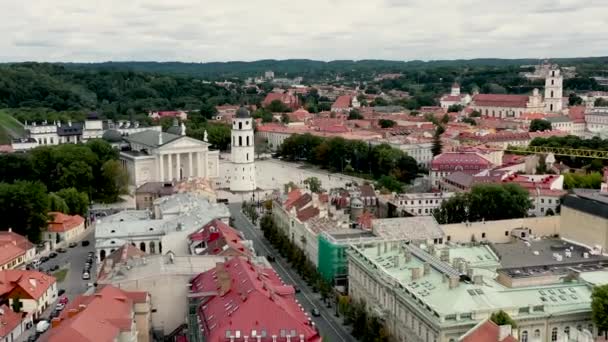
{"points": [[9, 320], [300, 202], [101, 316], [487, 331], [459, 161], [62, 223], [34, 283], [220, 237], [243, 298], [150, 138], [307, 213], [118, 258], [342, 102], [500, 100]]}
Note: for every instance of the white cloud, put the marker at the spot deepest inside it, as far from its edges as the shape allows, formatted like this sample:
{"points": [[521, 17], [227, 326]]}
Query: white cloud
{"points": [[195, 30]]}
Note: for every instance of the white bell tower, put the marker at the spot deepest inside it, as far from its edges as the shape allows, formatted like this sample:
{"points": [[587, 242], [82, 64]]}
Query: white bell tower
{"points": [[242, 152], [554, 90]]}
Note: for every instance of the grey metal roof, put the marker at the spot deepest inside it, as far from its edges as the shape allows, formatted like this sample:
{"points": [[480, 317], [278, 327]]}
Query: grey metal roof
{"points": [[74, 129], [558, 119], [590, 202], [242, 113], [150, 138]]}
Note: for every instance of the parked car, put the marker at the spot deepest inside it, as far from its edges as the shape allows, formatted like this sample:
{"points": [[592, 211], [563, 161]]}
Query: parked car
{"points": [[62, 250], [32, 338], [54, 268], [63, 300], [271, 258], [44, 259], [296, 289], [73, 244], [86, 276], [42, 326], [60, 292], [60, 306], [315, 312], [85, 243], [53, 255]]}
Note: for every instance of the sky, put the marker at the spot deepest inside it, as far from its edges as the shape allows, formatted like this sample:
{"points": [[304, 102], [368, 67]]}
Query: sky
{"points": [[246, 30]]}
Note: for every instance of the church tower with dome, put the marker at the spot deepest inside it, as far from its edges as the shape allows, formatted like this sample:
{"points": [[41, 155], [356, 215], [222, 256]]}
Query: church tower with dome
{"points": [[242, 152]]}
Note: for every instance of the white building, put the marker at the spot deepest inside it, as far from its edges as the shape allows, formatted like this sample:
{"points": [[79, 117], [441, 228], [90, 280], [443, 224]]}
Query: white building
{"points": [[158, 156], [554, 90], [419, 204], [174, 218], [597, 119], [242, 152], [454, 98]]}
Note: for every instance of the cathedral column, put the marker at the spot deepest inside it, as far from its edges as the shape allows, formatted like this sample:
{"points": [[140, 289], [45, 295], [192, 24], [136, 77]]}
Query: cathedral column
{"points": [[161, 167], [170, 166], [199, 160], [179, 167], [190, 156]]}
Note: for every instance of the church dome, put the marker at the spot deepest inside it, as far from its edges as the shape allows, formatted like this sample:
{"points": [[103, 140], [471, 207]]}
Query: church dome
{"points": [[242, 113], [112, 136]]}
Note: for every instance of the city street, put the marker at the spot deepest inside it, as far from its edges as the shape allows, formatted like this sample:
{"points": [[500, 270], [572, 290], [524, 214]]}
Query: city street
{"points": [[329, 326]]}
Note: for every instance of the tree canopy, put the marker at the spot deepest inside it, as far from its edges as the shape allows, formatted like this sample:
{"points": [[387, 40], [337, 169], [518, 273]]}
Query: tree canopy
{"points": [[599, 308], [502, 318], [540, 125], [485, 202]]}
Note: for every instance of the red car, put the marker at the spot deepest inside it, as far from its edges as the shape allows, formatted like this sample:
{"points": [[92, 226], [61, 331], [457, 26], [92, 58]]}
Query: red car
{"points": [[63, 300]]}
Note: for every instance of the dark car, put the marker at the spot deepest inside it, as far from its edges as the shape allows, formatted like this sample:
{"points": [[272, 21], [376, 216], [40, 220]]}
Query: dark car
{"points": [[60, 292], [315, 312], [53, 255], [33, 338], [85, 243], [44, 259], [271, 258], [54, 268], [62, 250], [296, 289]]}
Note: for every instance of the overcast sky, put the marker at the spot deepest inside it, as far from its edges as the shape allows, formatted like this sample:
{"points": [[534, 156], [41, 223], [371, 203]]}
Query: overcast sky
{"points": [[223, 30]]}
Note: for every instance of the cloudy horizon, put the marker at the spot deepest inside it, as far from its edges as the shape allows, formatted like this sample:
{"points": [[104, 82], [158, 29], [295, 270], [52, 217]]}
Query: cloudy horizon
{"points": [[240, 30]]}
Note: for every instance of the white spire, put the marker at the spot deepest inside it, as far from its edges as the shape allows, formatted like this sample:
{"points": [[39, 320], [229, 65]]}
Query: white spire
{"points": [[183, 128], [160, 138]]}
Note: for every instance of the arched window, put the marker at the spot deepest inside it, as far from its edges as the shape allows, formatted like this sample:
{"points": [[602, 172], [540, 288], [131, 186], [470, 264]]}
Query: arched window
{"points": [[551, 93], [142, 246], [240, 125], [102, 255], [551, 107], [554, 334], [524, 336], [567, 331], [247, 140], [590, 328], [579, 327], [160, 247], [240, 141], [152, 247], [552, 82], [537, 333]]}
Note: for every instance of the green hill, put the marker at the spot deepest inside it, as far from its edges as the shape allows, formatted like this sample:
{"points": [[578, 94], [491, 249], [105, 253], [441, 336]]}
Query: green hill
{"points": [[10, 128]]}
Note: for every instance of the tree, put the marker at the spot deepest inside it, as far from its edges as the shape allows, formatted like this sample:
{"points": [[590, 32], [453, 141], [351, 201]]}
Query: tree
{"points": [[445, 119], [574, 100], [599, 308], [470, 121], [455, 108], [386, 123], [76, 202], [582, 181], [313, 183], [502, 318], [262, 113], [355, 115], [437, 145], [17, 305], [207, 111], [550, 212], [219, 136], [23, 207], [600, 102], [285, 119], [289, 187], [56, 203], [540, 125], [475, 114], [115, 181], [390, 183], [277, 106]]}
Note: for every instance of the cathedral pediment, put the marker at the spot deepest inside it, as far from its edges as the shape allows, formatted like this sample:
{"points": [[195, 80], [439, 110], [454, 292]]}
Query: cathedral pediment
{"points": [[184, 143]]}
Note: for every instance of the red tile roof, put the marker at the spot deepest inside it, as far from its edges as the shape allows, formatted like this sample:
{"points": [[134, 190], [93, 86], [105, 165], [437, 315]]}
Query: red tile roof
{"points": [[287, 99], [459, 161], [10, 252], [9, 320], [342, 102], [98, 317], [220, 239], [292, 196], [299, 115], [307, 213], [12, 245], [486, 332], [577, 114], [500, 100], [31, 283], [62, 223], [249, 300], [299, 202], [119, 257]]}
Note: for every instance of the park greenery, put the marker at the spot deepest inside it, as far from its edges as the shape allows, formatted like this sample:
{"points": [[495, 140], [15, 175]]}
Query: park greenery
{"points": [[485, 202], [539, 125], [502, 318], [582, 181], [599, 311], [313, 184], [350, 156], [386, 123], [574, 142], [61, 178]]}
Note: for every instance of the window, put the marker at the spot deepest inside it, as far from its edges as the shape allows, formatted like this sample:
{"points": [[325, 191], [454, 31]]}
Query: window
{"points": [[506, 233], [483, 235], [567, 331], [240, 125], [247, 140], [240, 141], [537, 333], [524, 336], [542, 200], [247, 156], [552, 82], [449, 238]]}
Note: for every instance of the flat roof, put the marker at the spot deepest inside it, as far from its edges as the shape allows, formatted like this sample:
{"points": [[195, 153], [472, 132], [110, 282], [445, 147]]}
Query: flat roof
{"points": [[414, 228], [432, 293]]}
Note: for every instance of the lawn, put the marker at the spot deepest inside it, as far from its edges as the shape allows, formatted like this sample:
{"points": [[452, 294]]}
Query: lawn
{"points": [[9, 128], [60, 275]]}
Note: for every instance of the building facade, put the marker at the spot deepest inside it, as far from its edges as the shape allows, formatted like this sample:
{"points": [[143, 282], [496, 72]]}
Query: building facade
{"points": [[242, 152], [163, 157], [554, 90]]}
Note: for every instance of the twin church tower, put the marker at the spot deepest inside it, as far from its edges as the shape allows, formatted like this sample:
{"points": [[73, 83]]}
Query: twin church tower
{"points": [[242, 177]]}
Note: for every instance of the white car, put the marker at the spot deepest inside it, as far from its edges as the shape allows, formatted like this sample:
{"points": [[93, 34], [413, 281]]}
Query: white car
{"points": [[86, 276], [42, 326], [59, 307]]}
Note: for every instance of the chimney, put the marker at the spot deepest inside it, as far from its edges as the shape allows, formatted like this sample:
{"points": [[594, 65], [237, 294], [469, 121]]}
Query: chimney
{"points": [[478, 279], [10, 230], [462, 265], [469, 272], [72, 312], [431, 250], [427, 268], [160, 138], [55, 322], [259, 338], [416, 273], [408, 256], [504, 331], [454, 281]]}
